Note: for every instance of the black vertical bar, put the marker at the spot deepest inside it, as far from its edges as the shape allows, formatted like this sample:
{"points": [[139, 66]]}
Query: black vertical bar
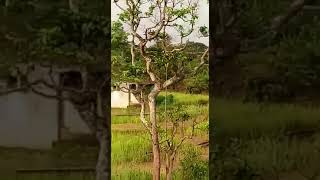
{"points": [[60, 108]]}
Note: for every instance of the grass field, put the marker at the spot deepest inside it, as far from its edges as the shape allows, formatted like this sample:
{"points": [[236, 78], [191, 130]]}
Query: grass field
{"points": [[131, 146], [272, 141], [62, 157]]}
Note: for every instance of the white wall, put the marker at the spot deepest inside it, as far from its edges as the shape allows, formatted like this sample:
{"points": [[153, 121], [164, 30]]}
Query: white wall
{"points": [[30, 121], [27, 120], [73, 120]]}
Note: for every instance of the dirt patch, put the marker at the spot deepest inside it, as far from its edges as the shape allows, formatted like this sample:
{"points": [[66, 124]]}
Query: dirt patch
{"points": [[127, 127]]}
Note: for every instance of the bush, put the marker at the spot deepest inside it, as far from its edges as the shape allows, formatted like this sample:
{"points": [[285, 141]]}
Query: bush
{"points": [[267, 90], [193, 167], [203, 126], [161, 99]]}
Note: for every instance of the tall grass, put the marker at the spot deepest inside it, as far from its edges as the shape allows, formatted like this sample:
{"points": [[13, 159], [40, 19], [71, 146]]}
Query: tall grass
{"points": [[130, 147], [125, 119], [51, 176], [132, 150], [125, 115], [192, 165], [234, 118], [284, 155], [268, 156], [143, 175], [132, 175], [20, 158], [253, 138], [187, 99]]}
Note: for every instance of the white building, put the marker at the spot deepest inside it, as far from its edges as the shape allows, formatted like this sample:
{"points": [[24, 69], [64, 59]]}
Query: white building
{"points": [[123, 98], [32, 121]]}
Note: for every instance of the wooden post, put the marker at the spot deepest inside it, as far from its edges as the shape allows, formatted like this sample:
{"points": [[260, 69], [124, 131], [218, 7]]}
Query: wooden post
{"points": [[60, 110], [129, 96]]}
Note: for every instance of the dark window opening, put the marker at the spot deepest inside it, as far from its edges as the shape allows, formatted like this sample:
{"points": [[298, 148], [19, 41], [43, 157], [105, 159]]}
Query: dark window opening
{"points": [[12, 82], [71, 79], [133, 86]]}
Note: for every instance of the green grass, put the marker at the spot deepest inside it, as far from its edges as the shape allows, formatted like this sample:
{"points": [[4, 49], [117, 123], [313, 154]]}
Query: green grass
{"points": [[143, 175], [50, 176], [284, 155], [196, 110], [192, 166], [187, 99], [253, 140], [125, 119], [130, 148], [132, 175], [269, 155], [20, 158], [234, 118]]}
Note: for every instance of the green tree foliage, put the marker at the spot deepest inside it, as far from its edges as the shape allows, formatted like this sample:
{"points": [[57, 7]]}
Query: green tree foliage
{"points": [[82, 37], [122, 69], [288, 66], [280, 62]]}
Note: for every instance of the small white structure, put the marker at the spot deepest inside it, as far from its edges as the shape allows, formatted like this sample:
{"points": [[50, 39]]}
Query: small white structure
{"points": [[121, 99], [31, 121]]}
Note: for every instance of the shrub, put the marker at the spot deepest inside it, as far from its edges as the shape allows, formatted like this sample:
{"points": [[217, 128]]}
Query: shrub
{"points": [[161, 99], [203, 126], [193, 167]]}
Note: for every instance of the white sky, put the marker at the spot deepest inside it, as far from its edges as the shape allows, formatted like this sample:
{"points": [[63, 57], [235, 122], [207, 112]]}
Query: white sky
{"points": [[203, 13]]}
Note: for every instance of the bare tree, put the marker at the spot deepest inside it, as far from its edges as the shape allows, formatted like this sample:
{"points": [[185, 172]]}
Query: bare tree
{"points": [[91, 101], [150, 21], [173, 141]]}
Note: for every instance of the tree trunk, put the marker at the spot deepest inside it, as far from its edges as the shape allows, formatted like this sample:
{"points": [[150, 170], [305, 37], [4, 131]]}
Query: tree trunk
{"points": [[74, 5], [100, 126], [103, 169], [169, 166], [133, 55], [7, 5], [103, 163], [154, 133]]}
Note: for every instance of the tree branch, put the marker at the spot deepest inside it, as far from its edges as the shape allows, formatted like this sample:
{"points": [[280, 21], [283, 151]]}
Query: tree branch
{"points": [[202, 62], [19, 89], [143, 119], [276, 24], [13, 90], [171, 81], [178, 146], [48, 95], [293, 10], [148, 61], [312, 8]]}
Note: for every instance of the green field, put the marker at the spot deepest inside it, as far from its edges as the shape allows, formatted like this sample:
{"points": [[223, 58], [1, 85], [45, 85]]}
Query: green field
{"points": [[69, 156], [271, 141], [131, 147]]}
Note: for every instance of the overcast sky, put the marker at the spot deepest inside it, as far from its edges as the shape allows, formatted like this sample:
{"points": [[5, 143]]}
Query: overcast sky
{"points": [[203, 14]]}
